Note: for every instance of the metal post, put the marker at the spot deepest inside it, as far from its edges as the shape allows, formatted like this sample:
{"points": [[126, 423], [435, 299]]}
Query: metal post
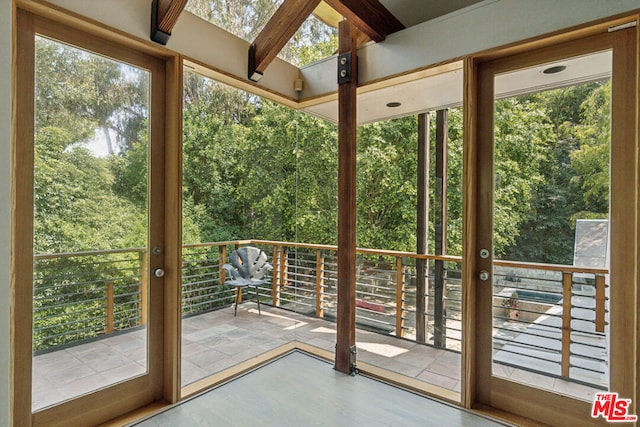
{"points": [[440, 229], [319, 283], [422, 226], [400, 297], [567, 280]]}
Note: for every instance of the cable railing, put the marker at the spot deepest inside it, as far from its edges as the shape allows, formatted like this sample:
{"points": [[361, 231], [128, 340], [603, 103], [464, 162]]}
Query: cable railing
{"points": [[547, 318], [83, 295], [552, 319]]}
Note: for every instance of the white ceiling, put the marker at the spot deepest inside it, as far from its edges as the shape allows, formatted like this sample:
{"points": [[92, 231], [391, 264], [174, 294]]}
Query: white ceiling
{"points": [[445, 90], [413, 12]]}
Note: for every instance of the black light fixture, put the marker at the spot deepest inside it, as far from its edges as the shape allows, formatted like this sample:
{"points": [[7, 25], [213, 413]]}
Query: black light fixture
{"points": [[555, 69], [394, 104]]}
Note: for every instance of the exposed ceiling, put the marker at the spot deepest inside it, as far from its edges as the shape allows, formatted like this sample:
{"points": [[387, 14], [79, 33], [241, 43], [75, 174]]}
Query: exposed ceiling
{"points": [[438, 88], [409, 12], [444, 90], [412, 12]]}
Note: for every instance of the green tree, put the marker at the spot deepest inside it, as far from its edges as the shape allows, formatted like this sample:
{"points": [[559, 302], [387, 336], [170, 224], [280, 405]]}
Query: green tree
{"points": [[521, 132], [547, 234], [84, 201], [386, 193], [75, 207], [454, 182], [591, 160], [210, 179]]}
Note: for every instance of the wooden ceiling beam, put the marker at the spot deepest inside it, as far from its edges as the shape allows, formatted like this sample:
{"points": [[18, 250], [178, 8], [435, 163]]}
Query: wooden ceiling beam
{"points": [[280, 28], [369, 16], [164, 15]]}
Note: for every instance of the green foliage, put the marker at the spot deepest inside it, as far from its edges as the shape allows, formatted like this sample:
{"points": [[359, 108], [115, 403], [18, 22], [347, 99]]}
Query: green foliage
{"points": [[86, 94], [576, 114], [591, 160], [253, 169], [521, 132], [386, 193], [130, 174], [85, 202], [454, 183], [316, 154], [75, 208]]}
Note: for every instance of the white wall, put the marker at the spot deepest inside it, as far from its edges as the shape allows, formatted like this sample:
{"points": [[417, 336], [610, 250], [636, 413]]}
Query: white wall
{"points": [[5, 197]]}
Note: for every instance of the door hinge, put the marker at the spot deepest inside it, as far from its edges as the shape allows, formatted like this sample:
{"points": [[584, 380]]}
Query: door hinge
{"points": [[352, 360]]}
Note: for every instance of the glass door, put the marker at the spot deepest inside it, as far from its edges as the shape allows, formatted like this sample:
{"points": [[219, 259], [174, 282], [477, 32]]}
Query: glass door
{"points": [[98, 211], [551, 240]]}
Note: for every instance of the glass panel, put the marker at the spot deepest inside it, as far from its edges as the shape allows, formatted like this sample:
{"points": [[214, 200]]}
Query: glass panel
{"points": [[389, 331], [551, 210], [313, 41], [242, 18], [239, 191], [90, 224]]}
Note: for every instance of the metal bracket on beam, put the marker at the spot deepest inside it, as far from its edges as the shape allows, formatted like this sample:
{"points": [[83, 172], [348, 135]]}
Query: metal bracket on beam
{"points": [[344, 68], [253, 75], [352, 360], [157, 35]]}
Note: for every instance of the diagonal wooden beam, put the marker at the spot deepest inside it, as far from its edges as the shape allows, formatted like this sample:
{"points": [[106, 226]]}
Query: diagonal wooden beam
{"points": [[369, 16], [164, 15], [281, 27]]}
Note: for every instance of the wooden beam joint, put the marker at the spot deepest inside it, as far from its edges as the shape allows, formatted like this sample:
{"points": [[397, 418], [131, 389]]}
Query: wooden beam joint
{"points": [[276, 33], [369, 16]]}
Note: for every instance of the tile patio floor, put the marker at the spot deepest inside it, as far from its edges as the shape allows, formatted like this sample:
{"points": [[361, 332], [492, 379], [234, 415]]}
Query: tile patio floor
{"points": [[215, 341]]}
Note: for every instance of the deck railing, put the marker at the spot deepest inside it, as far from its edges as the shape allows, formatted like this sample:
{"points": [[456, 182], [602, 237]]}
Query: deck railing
{"points": [[550, 318], [81, 295]]}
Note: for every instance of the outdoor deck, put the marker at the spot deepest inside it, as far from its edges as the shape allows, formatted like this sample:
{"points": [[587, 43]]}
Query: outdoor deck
{"points": [[215, 341]]}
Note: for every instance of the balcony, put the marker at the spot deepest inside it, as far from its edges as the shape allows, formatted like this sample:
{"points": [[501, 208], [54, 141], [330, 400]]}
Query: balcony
{"points": [[89, 318]]}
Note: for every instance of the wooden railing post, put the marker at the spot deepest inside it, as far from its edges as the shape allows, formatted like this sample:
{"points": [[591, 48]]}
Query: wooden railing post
{"points": [[144, 287], [275, 284], [109, 327], [319, 283], [567, 280], [399, 296], [222, 259], [600, 303]]}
